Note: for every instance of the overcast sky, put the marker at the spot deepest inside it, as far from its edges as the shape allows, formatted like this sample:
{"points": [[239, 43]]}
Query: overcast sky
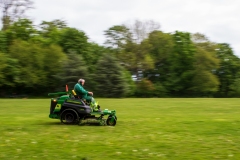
{"points": [[219, 20]]}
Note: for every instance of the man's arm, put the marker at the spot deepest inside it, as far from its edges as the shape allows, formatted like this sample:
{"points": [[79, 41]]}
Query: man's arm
{"points": [[80, 89]]}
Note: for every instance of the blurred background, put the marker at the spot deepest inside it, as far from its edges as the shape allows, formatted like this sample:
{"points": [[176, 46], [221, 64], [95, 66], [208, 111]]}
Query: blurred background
{"points": [[137, 59]]}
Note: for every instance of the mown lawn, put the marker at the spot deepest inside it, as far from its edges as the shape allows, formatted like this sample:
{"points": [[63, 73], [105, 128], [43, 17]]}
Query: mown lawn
{"points": [[195, 129]]}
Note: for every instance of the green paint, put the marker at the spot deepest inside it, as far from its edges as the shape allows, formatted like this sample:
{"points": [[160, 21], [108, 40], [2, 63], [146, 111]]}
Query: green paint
{"points": [[72, 101]]}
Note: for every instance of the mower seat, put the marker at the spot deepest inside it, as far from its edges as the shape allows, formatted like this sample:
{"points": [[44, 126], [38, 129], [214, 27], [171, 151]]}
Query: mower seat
{"points": [[75, 95]]}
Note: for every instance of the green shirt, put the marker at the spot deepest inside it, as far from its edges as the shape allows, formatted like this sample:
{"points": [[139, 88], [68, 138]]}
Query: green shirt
{"points": [[80, 90]]}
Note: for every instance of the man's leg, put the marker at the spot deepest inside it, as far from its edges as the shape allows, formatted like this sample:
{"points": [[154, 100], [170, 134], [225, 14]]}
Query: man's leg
{"points": [[92, 102], [94, 105]]}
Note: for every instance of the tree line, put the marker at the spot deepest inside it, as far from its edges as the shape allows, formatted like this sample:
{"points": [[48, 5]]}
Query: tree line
{"points": [[137, 60]]}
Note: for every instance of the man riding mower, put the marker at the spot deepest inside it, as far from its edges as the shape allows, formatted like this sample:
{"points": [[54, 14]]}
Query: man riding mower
{"points": [[84, 94], [77, 107]]}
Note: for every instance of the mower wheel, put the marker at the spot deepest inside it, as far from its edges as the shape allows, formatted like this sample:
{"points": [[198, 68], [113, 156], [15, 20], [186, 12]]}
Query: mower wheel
{"points": [[111, 122], [69, 116]]}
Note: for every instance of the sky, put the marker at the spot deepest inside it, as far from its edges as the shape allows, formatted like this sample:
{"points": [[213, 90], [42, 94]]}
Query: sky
{"points": [[219, 20]]}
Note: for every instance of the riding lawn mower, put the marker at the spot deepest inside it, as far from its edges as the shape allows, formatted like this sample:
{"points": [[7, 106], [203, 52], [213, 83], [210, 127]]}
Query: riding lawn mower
{"points": [[72, 109]]}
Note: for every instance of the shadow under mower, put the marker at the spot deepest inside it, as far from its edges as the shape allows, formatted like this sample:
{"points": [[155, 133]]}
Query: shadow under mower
{"points": [[73, 110]]}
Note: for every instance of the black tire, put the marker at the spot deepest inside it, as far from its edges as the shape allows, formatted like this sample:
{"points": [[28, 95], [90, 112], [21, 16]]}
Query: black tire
{"points": [[109, 123], [69, 116]]}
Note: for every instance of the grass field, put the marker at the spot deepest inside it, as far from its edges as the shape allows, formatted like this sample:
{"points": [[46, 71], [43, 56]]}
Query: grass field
{"points": [[195, 129]]}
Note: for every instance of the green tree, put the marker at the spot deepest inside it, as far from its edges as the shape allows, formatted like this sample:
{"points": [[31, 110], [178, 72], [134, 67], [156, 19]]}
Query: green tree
{"points": [[48, 27], [73, 40], [161, 50], [3, 42], [3, 61], [37, 65], [110, 78], [181, 64], [93, 54], [30, 60], [22, 29], [130, 84], [205, 81], [228, 72], [51, 31], [73, 69], [235, 88], [9, 71], [53, 61], [117, 37], [134, 55], [136, 58], [145, 88]]}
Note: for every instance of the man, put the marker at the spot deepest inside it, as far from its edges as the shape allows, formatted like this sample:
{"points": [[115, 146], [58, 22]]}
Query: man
{"points": [[84, 94]]}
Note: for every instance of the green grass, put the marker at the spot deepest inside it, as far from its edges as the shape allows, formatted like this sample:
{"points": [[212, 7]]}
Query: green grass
{"points": [[195, 129]]}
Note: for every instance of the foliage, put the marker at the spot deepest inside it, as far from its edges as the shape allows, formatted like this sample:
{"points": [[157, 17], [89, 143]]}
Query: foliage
{"points": [[229, 69], [53, 60], [161, 51], [22, 29], [51, 31], [181, 64], [74, 68], [30, 58], [9, 71], [160, 90], [73, 41], [3, 42], [145, 88], [110, 78], [46, 57], [118, 36], [205, 64], [235, 88], [37, 64], [93, 54], [133, 55], [130, 84]]}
